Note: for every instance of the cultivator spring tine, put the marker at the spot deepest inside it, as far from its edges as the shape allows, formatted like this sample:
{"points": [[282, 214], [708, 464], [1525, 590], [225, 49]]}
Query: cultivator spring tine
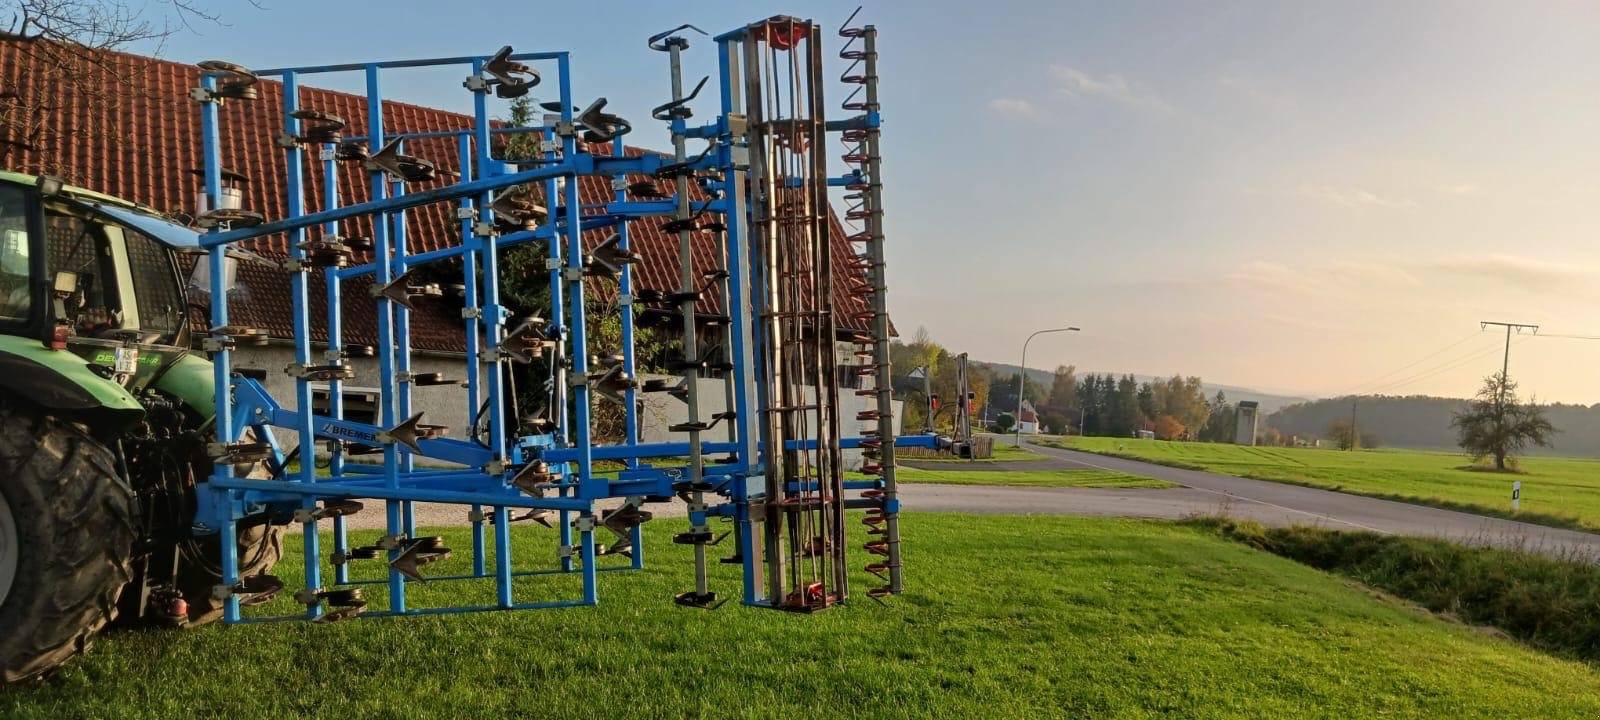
{"points": [[621, 522], [251, 591], [535, 514], [518, 210], [327, 251], [703, 601], [339, 604], [399, 166], [417, 553], [600, 126], [647, 190], [665, 41], [533, 477], [316, 128], [228, 218], [234, 82], [678, 109], [608, 257], [364, 552], [352, 150], [512, 79], [404, 291]]}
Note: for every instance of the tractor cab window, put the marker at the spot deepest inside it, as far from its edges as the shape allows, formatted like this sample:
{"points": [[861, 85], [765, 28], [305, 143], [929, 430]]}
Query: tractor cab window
{"points": [[125, 282], [15, 291]]}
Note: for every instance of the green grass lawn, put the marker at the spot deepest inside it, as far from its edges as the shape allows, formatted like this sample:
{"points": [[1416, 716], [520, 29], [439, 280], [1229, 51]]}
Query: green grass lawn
{"points": [[1555, 491], [1005, 617], [1085, 477]]}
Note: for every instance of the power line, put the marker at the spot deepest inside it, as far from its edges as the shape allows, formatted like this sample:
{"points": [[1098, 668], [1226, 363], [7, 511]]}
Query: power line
{"points": [[1413, 363], [1438, 369]]}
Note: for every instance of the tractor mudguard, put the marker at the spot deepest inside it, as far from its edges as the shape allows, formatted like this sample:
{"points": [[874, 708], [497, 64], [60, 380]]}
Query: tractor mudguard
{"points": [[61, 381], [190, 380]]}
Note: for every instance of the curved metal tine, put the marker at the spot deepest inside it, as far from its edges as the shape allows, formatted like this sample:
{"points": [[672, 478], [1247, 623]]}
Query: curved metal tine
{"points": [[844, 26], [601, 126], [669, 110], [664, 41], [506, 70], [846, 102]]}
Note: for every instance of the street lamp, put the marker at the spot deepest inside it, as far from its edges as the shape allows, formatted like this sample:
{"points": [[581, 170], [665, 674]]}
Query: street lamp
{"points": [[1022, 378]]}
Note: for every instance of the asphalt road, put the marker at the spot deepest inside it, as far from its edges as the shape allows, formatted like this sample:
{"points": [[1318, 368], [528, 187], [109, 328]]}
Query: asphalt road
{"points": [[1271, 503]]}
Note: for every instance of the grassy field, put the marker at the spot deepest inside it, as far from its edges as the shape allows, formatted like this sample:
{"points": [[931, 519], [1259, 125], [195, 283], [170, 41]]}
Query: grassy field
{"points": [[1005, 617], [1085, 477], [1555, 491]]}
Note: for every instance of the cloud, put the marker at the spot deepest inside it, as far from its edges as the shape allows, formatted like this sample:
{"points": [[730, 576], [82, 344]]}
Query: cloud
{"points": [[1013, 108], [1075, 83], [1352, 197], [1510, 270], [1463, 190], [1368, 272], [1270, 274]]}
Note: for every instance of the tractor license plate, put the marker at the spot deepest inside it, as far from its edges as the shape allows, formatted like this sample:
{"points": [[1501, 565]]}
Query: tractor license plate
{"points": [[127, 360]]}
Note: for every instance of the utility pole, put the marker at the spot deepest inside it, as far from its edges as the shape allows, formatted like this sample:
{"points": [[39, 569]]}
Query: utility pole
{"points": [[1355, 437], [1505, 367]]}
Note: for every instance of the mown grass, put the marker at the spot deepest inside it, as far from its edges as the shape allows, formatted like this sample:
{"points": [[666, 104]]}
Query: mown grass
{"points": [[1550, 603], [1079, 478], [1561, 492], [1004, 617]]}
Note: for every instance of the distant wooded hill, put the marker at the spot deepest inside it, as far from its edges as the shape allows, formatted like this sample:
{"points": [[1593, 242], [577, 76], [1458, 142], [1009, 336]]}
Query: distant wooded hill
{"points": [[1268, 401], [1423, 422]]}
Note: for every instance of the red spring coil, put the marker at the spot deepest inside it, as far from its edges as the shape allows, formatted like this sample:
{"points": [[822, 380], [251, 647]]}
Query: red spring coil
{"points": [[860, 105], [862, 291], [878, 547], [868, 392], [868, 415], [871, 519], [860, 237], [871, 469], [854, 32], [874, 494], [870, 443], [877, 568], [853, 79], [854, 54], [864, 315], [853, 136], [856, 158], [878, 593]]}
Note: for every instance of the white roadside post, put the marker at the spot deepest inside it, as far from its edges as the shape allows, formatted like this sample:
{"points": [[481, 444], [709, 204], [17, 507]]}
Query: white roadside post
{"points": [[1516, 495]]}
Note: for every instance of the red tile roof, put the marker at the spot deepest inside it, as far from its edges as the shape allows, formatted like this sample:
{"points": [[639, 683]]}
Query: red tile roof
{"points": [[141, 139]]}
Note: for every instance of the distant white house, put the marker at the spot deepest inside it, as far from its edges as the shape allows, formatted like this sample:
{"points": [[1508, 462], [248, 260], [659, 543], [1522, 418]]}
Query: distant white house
{"points": [[1028, 419]]}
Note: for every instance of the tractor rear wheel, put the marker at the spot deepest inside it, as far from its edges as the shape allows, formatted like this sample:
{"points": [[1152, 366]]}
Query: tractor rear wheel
{"points": [[66, 534], [260, 548]]}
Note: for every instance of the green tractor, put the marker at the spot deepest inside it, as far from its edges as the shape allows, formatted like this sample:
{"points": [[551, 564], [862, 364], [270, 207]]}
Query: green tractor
{"points": [[105, 418]]}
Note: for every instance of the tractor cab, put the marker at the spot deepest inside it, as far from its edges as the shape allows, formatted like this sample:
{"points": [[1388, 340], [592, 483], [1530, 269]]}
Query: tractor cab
{"points": [[92, 275]]}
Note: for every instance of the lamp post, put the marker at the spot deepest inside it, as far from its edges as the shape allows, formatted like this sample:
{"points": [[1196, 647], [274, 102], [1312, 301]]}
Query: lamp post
{"points": [[1022, 378]]}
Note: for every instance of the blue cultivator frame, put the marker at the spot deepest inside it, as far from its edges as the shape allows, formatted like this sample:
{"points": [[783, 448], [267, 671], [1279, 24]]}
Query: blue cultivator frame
{"points": [[760, 189]]}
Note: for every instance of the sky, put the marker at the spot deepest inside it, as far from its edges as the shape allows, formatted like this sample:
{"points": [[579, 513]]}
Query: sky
{"points": [[1317, 199]]}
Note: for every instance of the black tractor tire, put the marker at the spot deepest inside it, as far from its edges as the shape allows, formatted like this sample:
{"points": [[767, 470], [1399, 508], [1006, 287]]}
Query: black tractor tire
{"points": [[260, 548], [74, 519]]}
